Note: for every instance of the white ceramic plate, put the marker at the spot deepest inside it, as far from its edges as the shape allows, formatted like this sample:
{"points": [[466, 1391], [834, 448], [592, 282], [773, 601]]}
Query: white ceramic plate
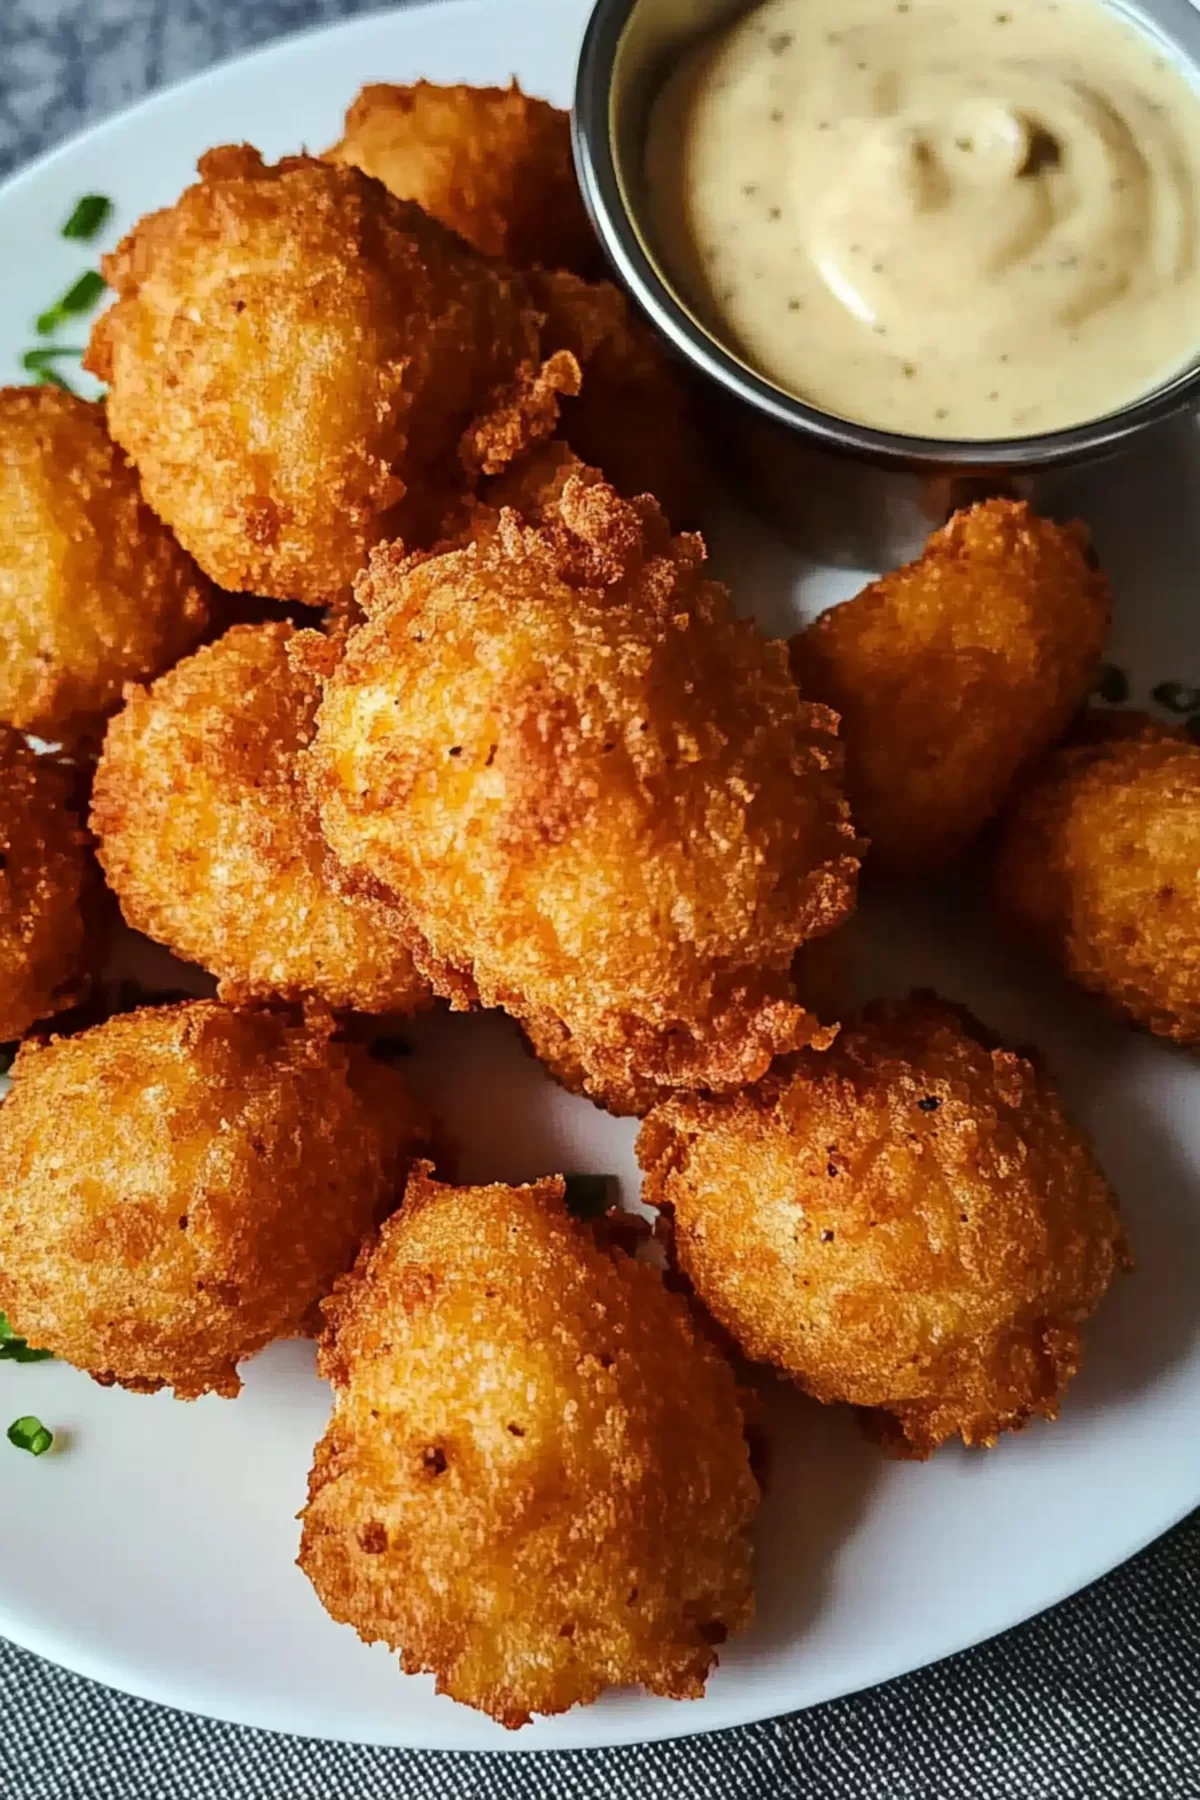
{"points": [[153, 1548]]}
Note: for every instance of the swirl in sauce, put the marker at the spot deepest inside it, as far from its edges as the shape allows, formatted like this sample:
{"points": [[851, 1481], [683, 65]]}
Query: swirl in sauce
{"points": [[972, 221]]}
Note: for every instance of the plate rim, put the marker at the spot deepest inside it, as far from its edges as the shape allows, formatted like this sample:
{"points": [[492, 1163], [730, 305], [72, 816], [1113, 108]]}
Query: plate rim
{"points": [[517, 1743]]}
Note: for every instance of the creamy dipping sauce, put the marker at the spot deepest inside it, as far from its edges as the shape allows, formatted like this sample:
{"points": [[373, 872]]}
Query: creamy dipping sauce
{"points": [[976, 220]]}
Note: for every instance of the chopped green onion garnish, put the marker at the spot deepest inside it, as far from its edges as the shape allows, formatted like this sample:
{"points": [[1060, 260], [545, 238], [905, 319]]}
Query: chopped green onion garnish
{"points": [[1177, 698], [30, 1434], [18, 1351], [41, 358], [78, 299], [1112, 684], [15, 1349], [52, 378], [590, 1196], [89, 215]]}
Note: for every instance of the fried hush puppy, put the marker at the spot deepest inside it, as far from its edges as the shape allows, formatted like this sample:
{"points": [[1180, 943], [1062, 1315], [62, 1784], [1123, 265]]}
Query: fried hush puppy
{"points": [[594, 791], [633, 415], [1098, 864], [181, 1185], [94, 591], [44, 876], [301, 365], [535, 1483], [492, 163], [954, 673], [212, 844], [908, 1222]]}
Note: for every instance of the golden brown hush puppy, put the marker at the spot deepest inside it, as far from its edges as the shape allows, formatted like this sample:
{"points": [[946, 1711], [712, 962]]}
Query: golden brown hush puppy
{"points": [[633, 416], [492, 163], [1098, 863], [594, 791], [179, 1186], [44, 877], [94, 591], [535, 1483], [213, 846], [295, 359], [908, 1222], [954, 673]]}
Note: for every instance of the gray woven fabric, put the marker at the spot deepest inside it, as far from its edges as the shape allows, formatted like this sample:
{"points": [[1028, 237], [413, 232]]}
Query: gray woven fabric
{"points": [[1097, 1700]]}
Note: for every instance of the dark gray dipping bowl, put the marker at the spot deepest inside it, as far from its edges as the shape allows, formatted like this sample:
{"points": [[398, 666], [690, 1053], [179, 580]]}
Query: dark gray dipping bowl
{"points": [[844, 492]]}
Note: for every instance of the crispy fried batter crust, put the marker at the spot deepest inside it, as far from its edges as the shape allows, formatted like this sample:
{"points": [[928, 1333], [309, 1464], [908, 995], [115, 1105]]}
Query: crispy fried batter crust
{"points": [[633, 417], [908, 1222], [535, 1483], [952, 674], [293, 358], [213, 846], [94, 591], [43, 882], [595, 791], [492, 163], [1098, 862], [181, 1185]]}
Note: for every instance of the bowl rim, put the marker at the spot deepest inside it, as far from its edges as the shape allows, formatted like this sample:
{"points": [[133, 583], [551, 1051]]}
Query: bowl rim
{"points": [[596, 166]]}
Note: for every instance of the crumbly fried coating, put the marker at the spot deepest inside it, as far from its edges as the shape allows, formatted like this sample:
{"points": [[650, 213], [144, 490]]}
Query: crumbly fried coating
{"points": [[212, 843], [909, 1223], [533, 487], [181, 1185], [1098, 864], [44, 878], [954, 673], [94, 591], [594, 791], [535, 1483], [301, 365], [492, 163], [633, 416]]}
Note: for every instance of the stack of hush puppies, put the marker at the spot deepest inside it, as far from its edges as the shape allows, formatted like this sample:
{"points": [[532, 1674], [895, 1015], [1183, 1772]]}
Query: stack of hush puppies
{"points": [[502, 742]]}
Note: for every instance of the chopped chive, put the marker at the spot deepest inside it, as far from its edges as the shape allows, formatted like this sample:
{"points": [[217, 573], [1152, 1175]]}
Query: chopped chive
{"points": [[18, 1351], [15, 1349], [52, 378], [28, 1433], [590, 1196], [89, 215], [80, 298], [41, 358], [1112, 684], [1177, 698]]}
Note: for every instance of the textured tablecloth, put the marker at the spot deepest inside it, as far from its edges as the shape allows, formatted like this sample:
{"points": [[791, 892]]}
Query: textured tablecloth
{"points": [[1097, 1700]]}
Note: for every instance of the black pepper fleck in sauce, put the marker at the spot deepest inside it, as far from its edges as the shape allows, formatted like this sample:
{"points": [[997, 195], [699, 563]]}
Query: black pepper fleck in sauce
{"points": [[900, 320]]}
